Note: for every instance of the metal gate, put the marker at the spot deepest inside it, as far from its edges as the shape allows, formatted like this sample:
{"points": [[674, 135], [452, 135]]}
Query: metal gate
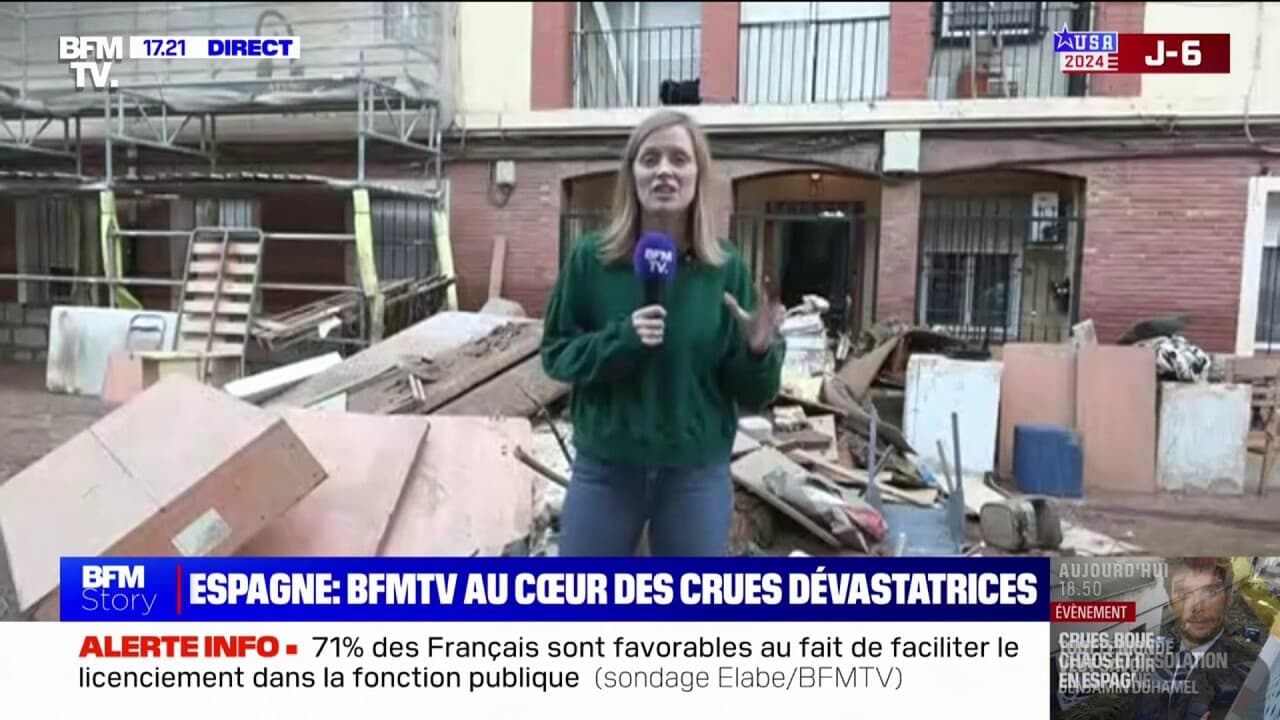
{"points": [[998, 269]]}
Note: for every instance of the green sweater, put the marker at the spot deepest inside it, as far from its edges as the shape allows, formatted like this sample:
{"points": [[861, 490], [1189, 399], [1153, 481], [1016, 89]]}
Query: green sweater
{"points": [[674, 405]]}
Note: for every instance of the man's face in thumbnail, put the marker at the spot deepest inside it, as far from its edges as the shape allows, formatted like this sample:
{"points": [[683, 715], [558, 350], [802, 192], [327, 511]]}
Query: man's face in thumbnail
{"points": [[1199, 600]]}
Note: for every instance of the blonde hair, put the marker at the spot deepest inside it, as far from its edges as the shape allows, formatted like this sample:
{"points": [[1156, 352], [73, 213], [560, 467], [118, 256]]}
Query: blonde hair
{"points": [[619, 237]]}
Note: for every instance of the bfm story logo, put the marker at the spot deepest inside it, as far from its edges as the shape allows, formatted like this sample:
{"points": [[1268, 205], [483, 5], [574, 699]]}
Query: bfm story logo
{"points": [[116, 588]]}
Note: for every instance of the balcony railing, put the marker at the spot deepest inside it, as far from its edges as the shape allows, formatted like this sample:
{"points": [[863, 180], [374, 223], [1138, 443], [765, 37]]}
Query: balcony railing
{"points": [[820, 61], [393, 41], [637, 67], [1002, 49]]}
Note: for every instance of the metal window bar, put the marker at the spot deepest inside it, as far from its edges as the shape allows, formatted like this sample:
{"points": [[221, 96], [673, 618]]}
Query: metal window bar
{"points": [[630, 67], [1003, 49], [813, 61], [1267, 327], [991, 271], [575, 224]]}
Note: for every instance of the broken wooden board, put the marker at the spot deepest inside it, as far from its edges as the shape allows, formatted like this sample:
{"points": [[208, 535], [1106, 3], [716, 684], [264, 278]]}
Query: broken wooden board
{"points": [[467, 492], [259, 387], [1037, 387], [368, 459], [450, 375], [922, 497], [1116, 417], [751, 471], [432, 337], [507, 395], [182, 469]]}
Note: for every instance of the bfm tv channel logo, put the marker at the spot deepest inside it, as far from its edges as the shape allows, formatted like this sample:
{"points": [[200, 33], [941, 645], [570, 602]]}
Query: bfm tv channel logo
{"points": [[660, 260], [116, 588]]}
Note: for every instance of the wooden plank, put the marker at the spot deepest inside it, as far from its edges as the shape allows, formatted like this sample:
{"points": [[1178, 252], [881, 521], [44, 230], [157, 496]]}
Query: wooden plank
{"points": [[182, 469], [923, 497], [209, 287], [262, 385], [197, 345], [235, 248], [497, 266], [1116, 417], [225, 307], [191, 326], [430, 338], [367, 459], [750, 472], [1037, 386], [451, 375], [467, 492], [210, 267], [504, 395]]}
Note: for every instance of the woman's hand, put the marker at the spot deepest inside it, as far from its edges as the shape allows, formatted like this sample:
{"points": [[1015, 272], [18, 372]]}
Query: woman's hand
{"points": [[761, 327], [650, 324]]}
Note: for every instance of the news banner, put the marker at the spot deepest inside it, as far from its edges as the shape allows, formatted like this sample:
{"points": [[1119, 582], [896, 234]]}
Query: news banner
{"points": [[634, 637]]}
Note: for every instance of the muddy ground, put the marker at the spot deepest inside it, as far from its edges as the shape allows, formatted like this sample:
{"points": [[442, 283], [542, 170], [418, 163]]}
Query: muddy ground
{"points": [[34, 422]]}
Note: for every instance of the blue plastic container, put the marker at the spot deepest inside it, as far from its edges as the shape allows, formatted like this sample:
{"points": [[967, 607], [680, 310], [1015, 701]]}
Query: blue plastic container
{"points": [[1047, 461]]}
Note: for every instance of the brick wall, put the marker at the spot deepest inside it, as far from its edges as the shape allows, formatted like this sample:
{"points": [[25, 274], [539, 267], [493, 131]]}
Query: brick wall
{"points": [[899, 242], [720, 22], [552, 64], [24, 332], [303, 262], [910, 49], [1165, 236], [1161, 236], [530, 220], [1120, 17]]}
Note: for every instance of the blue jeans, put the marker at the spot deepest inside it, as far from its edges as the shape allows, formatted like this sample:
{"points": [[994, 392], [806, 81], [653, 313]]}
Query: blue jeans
{"points": [[689, 510]]}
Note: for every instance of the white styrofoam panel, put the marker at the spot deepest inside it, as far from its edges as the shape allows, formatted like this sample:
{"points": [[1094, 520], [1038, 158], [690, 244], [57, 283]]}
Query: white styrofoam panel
{"points": [[938, 386], [1203, 438], [82, 338]]}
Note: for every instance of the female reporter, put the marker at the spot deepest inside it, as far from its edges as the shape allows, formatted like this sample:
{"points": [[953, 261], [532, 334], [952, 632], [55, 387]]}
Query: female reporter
{"points": [[657, 387]]}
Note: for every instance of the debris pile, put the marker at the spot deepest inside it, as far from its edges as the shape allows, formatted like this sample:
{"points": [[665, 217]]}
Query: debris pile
{"points": [[325, 457]]}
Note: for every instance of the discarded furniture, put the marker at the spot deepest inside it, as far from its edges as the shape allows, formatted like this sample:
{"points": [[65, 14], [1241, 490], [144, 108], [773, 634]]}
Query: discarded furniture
{"points": [[83, 341], [1204, 437], [181, 470], [1116, 417], [938, 387], [1263, 375]]}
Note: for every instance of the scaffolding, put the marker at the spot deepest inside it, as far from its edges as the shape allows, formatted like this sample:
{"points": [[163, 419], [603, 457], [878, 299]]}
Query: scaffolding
{"points": [[382, 67]]}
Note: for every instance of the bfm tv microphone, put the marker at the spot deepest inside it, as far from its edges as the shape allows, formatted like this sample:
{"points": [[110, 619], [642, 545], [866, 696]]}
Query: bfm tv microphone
{"points": [[655, 264]]}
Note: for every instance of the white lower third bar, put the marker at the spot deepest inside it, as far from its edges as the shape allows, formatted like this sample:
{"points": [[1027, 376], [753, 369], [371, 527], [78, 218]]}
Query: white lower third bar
{"points": [[191, 47], [1082, 63]]}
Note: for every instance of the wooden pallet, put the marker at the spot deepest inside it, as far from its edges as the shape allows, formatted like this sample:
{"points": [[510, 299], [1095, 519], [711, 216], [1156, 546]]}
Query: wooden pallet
{"points": [[219, 289]]}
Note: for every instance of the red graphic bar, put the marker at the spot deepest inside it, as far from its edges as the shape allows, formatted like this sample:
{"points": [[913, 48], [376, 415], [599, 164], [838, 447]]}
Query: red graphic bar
{"points": [[1093, 612], [1167, 54]]}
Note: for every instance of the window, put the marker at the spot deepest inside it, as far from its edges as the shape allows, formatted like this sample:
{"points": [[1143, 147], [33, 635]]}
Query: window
{"points": [[626, 52], [962, 20], [1267, 328], [968, 289]]}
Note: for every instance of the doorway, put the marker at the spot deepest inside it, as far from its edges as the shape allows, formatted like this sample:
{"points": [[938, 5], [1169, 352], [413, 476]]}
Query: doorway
{"points": [[817, 252], [813, 259]]}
